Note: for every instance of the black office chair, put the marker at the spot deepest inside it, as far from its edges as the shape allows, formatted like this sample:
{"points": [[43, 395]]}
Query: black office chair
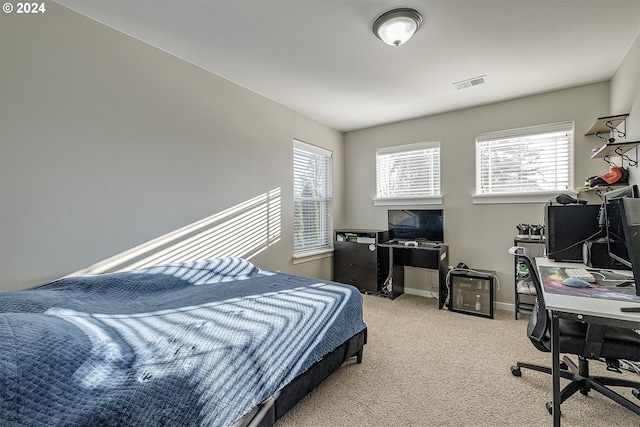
{"points": [[587, 341]]}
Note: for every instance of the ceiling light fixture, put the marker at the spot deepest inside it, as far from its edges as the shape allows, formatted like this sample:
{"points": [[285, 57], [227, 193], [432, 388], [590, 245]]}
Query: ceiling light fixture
{"points": [[397, 26]]}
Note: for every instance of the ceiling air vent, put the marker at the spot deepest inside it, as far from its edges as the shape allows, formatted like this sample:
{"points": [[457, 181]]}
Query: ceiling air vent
{"points": [[475, 81]]}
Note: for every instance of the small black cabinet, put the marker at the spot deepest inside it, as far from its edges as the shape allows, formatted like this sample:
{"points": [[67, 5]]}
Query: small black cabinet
{"points": [[358, 261], [472, 292]]}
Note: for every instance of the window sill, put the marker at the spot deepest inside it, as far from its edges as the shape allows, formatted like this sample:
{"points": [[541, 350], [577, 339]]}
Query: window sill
{"points": [[313, 255], [509, 198], [404, 201]]}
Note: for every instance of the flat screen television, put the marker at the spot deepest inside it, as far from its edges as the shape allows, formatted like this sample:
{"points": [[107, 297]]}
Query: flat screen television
{"points": [[425, 225], [615, 223]]}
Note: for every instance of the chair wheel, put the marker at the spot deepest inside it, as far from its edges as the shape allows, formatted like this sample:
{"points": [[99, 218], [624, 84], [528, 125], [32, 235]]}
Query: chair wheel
{"points": [[549, 406], [515, 371], [636, 392]]}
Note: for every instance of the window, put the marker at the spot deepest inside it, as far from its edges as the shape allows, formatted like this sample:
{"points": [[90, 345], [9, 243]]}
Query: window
{"points": [[312, 190], [534, 160], [408, 172]]}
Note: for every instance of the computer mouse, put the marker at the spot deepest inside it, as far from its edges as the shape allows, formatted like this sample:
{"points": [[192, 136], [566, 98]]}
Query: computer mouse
{"points": [[574, 282]]}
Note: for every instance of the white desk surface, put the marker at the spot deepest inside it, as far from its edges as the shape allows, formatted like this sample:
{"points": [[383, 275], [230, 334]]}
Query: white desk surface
{"points": [[592, 305]]}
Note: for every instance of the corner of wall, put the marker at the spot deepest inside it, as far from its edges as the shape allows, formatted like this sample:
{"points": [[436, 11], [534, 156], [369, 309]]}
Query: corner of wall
{"points": [[624, 97]]}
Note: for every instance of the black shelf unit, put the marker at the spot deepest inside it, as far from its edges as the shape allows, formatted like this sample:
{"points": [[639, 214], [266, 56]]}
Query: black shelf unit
{"points": [[524, 290], [358, 261]]}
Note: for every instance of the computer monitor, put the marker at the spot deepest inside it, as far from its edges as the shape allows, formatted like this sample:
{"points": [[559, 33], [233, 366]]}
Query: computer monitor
{"points": [[630, 215], [615, 223], [416, 224], [567, 228]]}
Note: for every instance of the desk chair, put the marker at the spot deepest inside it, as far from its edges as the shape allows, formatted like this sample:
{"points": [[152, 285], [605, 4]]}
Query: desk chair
{"points": [[587, 341]]}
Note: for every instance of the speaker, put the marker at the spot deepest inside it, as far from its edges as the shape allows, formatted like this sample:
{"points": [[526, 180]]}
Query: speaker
{"points": [[595, 254]]}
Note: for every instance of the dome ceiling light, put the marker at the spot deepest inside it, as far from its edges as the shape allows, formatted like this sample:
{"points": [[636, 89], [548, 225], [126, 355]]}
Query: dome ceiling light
{"points": [[397, 26]]}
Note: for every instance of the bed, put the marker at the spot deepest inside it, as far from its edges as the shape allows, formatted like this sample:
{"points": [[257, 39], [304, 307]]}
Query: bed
{"points": [[208, 343]]}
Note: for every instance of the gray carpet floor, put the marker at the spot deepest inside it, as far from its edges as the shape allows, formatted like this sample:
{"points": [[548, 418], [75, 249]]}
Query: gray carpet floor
{"points": [[428, 367]]}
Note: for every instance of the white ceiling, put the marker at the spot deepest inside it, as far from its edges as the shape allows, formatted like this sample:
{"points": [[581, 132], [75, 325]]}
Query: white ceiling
{"points": [[321, 58]]}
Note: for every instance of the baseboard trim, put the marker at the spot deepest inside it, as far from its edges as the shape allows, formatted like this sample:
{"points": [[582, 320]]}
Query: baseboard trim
{"points": [[420, 293], [505, 306]]}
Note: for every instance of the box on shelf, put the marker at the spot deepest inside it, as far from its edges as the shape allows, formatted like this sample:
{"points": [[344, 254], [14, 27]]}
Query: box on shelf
{"points": [[367, 240]]}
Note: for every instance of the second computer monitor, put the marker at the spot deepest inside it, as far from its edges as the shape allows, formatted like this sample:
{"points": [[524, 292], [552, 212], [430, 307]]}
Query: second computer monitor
{"points": [[630, 215], [613, 206]]}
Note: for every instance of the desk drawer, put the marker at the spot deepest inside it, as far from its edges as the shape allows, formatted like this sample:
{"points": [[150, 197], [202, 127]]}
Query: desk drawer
{"points": [[417, 257], [355, 261], [356, 264], [360, 281]]}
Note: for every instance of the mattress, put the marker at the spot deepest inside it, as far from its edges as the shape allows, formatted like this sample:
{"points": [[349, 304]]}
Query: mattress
{"points": [[198, 343]]}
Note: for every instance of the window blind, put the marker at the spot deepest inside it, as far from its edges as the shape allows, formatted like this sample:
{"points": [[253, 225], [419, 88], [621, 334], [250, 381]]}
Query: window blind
{"points": [[408, 171], [312, 196], [527, 160]]}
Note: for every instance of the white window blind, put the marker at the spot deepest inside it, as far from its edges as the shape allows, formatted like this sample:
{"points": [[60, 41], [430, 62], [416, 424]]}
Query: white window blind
{"points": [[312, 197], [408, 171], [528, 160]]}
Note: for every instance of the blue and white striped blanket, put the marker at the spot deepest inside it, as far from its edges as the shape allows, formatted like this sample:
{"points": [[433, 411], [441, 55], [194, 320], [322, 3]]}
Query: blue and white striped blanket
{"points": [[197, 343]]}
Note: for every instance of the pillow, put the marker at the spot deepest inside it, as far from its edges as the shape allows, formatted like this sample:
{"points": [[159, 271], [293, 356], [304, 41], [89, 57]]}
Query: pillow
{"points": [[207, 271]]}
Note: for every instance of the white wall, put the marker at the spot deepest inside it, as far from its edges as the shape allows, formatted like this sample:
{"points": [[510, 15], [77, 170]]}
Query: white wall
{"points": [[625, 97], [107, 144], [478, 235]]}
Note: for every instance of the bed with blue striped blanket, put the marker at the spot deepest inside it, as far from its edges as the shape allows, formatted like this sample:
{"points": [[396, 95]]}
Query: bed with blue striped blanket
{"points": [[203, 343]]}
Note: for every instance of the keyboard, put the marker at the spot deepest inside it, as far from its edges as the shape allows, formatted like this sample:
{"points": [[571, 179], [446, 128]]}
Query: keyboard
{"points": [[580, 273]]}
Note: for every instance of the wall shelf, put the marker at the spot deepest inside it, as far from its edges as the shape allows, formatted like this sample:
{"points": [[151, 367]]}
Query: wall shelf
{"points": [[614, 149], [600, 125], [602, 188]]}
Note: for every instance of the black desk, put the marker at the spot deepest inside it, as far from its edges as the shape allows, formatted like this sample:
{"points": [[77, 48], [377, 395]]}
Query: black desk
{"points": [[425, 255], [603, 308]]}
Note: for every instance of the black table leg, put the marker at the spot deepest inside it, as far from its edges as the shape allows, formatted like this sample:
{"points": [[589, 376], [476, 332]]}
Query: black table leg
{"points": [[555, 367]]}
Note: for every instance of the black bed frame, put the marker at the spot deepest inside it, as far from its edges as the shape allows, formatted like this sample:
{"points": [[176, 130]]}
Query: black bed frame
{"points": [[275, 406]]}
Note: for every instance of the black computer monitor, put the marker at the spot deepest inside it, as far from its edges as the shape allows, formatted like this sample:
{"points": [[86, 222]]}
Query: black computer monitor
{"points": [[416, 224], [567, 228], [630, 216], [615, 223]]}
